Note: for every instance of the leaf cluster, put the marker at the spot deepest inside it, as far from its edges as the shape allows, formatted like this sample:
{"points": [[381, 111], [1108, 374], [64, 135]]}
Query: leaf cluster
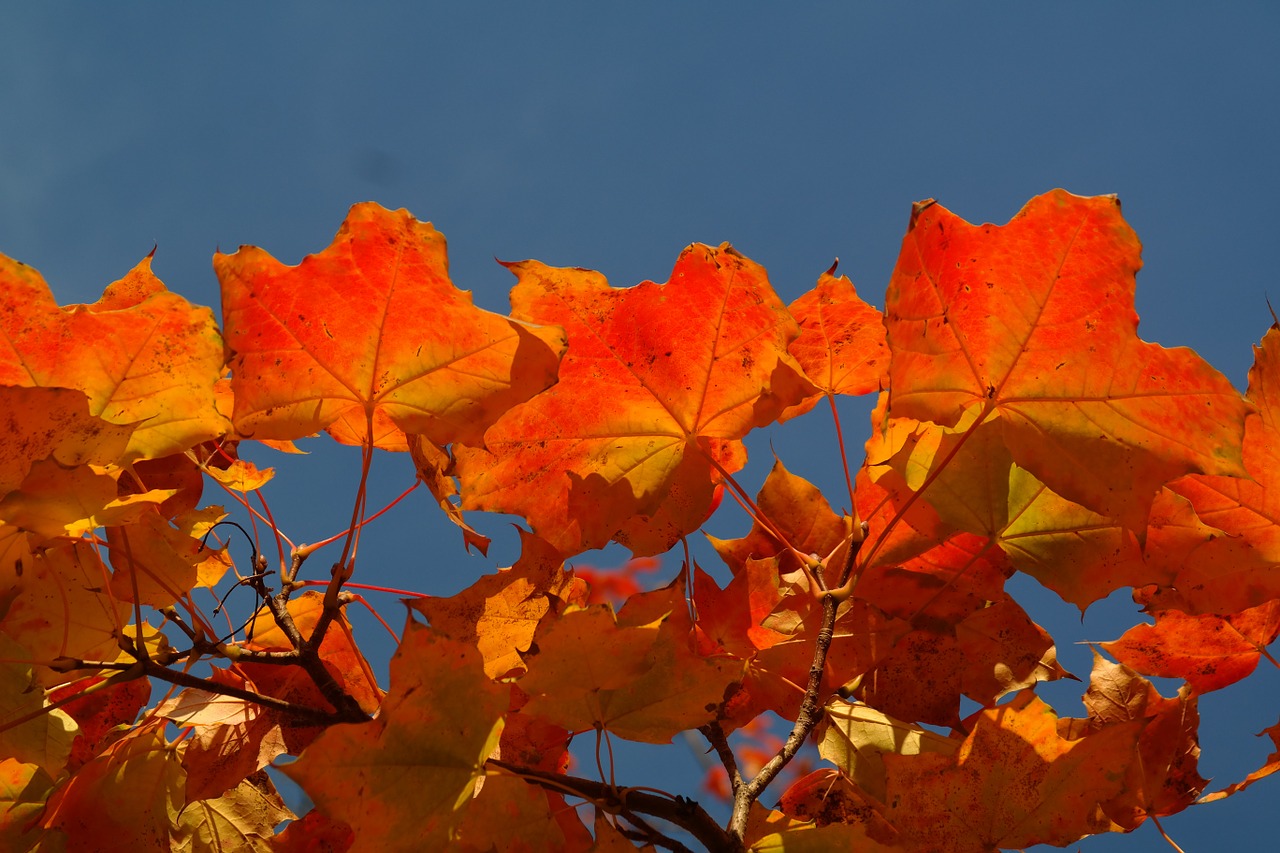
{"points": [[1021, 426]]}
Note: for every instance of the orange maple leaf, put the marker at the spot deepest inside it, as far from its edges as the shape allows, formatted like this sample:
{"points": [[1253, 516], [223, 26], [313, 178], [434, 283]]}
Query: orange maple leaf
{"points": [[842, 341], [634, 674], [499, 613], [370, 337], [143, 355], [1164, 781], [1248, 510], [1033, 323], [101, 800], [658, 387], [1014, 782], [1210, 652]]}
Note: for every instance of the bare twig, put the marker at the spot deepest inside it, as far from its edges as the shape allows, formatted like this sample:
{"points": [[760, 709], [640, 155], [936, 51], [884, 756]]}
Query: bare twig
{"points": [[716, 737], [308, 648], [748, 793]]}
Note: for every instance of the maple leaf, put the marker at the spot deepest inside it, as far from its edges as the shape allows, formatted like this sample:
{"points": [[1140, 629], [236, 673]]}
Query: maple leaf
{"points": [[1033, 323], [1079, 554], [499, 613], [144, 356], [841, 345], [102, 715], [1210, 652], [127, 798], [796, 510], [370, 337], [435, 467], [231, 737], [58, 607], [510, 814], [155, 563], [23, 789], [732, 619], [243, 818], [659, 385], [1163, 780], [53, 423], [827, 796], [1236, 571], [941, 587], [1014, 782], [396, 781], [32, 733], [634, 674], [855, 738]]}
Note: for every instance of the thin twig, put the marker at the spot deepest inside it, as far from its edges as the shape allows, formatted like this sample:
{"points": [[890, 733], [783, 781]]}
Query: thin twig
{"points": [[716, 737], [805, 721], [301, 712]]}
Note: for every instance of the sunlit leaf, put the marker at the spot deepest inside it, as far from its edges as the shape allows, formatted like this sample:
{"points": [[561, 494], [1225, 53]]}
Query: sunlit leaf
{"points": [[370, 336], [842, 343], [128, 798], [144, 356], [659, 386], [1033, 323]]}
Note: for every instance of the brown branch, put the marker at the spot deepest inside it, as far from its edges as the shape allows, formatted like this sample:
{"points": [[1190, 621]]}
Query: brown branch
{"points": [[301, 712], [682, 812], [747, 794], [716, 737], [308, 649]]}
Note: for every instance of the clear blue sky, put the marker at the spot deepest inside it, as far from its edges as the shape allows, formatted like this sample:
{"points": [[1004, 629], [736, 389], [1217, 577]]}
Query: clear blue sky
{"points": [[610, 135]]}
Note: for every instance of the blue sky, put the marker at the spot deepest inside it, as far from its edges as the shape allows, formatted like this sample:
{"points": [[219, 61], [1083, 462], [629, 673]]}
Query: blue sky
{"points": [[610, 135]]}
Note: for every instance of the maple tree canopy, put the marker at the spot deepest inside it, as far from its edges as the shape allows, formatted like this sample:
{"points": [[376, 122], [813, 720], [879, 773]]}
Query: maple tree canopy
{"points": [[1021, 425]]}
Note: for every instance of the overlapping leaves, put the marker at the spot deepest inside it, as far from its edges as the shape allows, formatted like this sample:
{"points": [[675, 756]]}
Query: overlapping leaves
{"points": [[1022, 426]]}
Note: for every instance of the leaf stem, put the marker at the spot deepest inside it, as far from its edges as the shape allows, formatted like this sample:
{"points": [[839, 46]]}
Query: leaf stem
{"points": [[844, 458]]}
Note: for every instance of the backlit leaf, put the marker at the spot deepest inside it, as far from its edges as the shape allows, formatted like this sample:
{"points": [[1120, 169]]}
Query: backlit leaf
{"points": [[30, 731], [1208, 651], [370, 336], [144, 356], [127, 799], [23, 788], [660, 381], [499, 613], [1033, 323], [1014, 782], [841, 344], [855, 738]]}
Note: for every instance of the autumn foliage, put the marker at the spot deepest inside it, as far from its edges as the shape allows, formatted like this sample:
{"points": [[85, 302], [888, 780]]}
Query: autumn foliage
{"points": [[156, 660]]}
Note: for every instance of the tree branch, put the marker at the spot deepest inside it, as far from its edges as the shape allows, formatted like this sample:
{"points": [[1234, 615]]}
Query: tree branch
{"points": [[301, 712], [716, 737], [747, 794], [308, 649], [684, 813]]}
